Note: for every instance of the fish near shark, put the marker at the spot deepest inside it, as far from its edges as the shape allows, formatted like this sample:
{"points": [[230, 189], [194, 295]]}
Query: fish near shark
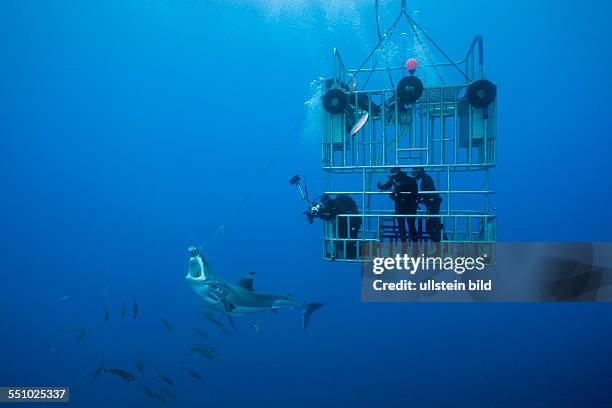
{"points": [[238, 300], [139, 363], [124, 375]]}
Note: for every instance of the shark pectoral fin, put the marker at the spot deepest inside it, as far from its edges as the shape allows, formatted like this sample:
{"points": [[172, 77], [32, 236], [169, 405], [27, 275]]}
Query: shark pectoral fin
{"points": [[229, 307], [247, 281]]}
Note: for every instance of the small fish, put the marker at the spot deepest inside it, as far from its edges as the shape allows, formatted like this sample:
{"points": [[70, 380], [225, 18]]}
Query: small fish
{"points": [[359, 124], [166, 379], [120, 373], [168, 325], [193, 374], [97, 371], [208, 355], [75, 385], [217, 323], [53, 349], [203, 350], [82, 334], [200, 333], [106, 313], [135, 310], [256, 327], [64, 298], [167, 392], [148, 391], [105, 292], [231, 321], [123, 309], [214, 321], [203, 347], [139, 363]]}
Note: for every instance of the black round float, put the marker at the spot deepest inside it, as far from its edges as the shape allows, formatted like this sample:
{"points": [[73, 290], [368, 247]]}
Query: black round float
{"points": [[363, 102], [409, 90], [335, 101], [481, 93]]}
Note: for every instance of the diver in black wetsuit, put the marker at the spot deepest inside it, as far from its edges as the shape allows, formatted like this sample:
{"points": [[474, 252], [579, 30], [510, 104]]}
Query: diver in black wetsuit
{"points": [[328, 209], [433, 225], [405, 194], [348, 227]]}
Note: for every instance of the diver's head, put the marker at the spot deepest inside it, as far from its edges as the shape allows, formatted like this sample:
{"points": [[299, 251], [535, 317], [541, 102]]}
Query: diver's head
{"points": [[394, 171], [418, 172]]}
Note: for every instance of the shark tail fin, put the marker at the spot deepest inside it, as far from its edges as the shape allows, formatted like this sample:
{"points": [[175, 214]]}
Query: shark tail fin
{"points": [[310, 308]]}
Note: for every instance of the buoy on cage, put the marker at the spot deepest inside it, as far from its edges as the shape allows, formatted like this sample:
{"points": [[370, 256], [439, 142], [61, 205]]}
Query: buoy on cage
{"points": [[411, 65]]}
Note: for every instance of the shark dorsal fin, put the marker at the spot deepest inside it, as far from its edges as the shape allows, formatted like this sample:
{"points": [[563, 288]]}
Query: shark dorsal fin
{"points": [[247, 281]]}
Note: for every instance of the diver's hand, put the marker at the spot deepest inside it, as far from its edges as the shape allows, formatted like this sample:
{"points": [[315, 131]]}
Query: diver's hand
{"points": [[379, 186]]}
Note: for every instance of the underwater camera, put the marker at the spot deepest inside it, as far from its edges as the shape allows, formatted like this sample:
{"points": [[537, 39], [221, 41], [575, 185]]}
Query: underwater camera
{"points": [[312, 212], [295, 179], [314, 208]]}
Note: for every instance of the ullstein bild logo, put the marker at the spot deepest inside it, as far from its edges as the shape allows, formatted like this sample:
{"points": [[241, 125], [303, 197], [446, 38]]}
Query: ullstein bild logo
{"points": [[529, 272]]}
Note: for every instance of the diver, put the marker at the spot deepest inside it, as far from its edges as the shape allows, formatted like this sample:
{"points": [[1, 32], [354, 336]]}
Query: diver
{"points": [[328, 209], [405, 194], [432, 201]]}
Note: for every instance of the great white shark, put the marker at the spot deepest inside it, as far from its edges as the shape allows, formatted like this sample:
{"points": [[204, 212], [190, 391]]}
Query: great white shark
{"points": [[241, 299]]}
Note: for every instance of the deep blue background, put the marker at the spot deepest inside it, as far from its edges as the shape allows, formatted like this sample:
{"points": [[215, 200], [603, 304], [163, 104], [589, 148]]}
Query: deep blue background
{"points": [[131, 129]]}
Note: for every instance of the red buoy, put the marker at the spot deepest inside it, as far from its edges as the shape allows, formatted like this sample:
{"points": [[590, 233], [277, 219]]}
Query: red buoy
{"points": [[411, 65]]}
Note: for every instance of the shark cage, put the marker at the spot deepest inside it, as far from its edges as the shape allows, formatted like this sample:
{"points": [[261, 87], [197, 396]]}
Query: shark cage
{"points": [[384, 115]]}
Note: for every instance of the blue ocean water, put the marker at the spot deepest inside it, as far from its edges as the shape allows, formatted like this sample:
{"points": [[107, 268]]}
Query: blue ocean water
{"points": [[132, 129]]}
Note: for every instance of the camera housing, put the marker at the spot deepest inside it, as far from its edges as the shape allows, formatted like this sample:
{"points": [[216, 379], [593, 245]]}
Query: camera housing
{"points": [[312, 212], [295, 180]]}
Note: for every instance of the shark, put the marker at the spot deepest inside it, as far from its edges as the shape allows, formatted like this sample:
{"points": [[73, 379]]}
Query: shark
{"points": [[239, 299]]}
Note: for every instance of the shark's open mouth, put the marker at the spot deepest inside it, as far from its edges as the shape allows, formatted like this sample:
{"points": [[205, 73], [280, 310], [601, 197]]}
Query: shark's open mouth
{"points": [[195, 273], [196, 269]]}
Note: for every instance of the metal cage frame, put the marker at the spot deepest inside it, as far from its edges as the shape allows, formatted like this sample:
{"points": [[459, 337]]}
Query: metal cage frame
{"points": [[440, 132]]}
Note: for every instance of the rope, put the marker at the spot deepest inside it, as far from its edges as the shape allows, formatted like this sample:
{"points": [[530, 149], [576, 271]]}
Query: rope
{"points": [[425, 49], [254, 184], [369, 75], [440, 50], [377, 20], [381, 41], [387, 33]]}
